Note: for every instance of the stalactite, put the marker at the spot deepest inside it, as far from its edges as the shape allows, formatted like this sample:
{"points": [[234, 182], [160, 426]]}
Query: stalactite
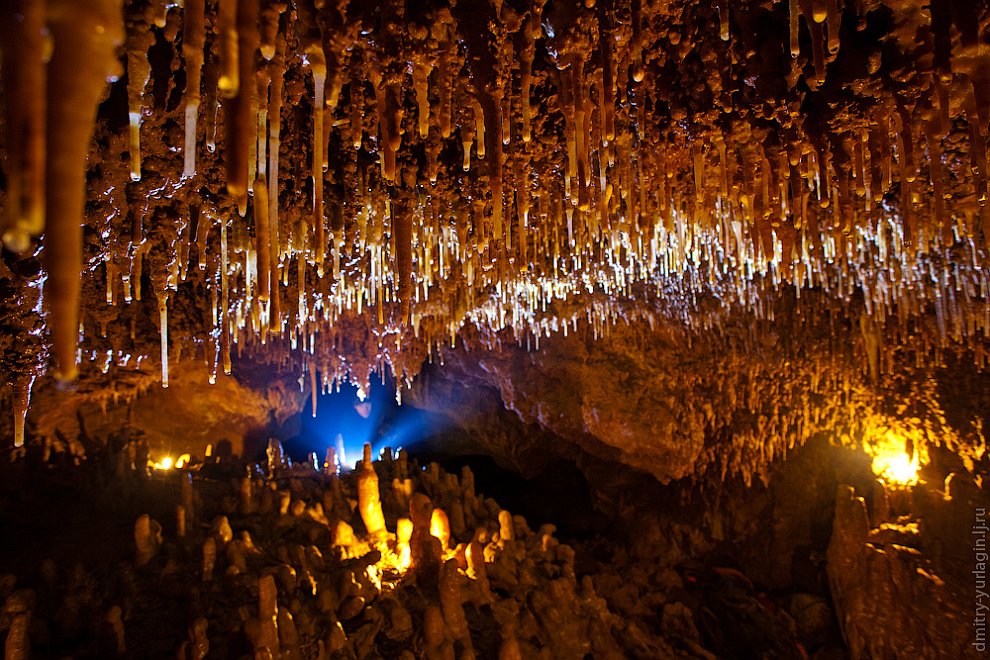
{"points": [[240, 124], [274, 135], [193, 42], [163, 331], [262, 239], [313, 388], [85, 37], [263, 81], [723, 19], [224, 300], [139, 40], [665, 193], [402, 227], [22, 45], [421, 75], [228, 80], [794, 18], [318, 64], [21, 403]]}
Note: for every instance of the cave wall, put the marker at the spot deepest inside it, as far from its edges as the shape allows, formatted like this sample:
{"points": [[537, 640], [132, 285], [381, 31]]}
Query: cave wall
{"points": [[708, 405], [906, 569], [186, 417]]}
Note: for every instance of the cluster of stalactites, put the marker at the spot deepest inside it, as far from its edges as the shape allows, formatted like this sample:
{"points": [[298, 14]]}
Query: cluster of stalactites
{"points": [[569, 183]]}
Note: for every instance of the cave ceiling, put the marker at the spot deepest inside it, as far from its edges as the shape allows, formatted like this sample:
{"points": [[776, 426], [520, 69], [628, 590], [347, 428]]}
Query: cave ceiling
{"points": [[334, 187]]}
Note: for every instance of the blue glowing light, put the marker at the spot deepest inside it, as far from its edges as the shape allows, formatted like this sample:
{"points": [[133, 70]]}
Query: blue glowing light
{"points": [[348, 419]]}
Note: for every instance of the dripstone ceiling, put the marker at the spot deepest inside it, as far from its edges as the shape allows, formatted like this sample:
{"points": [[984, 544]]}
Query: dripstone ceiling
{"points": [[337, 187]]}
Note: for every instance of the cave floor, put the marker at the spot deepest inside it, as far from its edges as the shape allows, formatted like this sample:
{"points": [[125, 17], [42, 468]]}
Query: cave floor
{"points": [[69, 536]]}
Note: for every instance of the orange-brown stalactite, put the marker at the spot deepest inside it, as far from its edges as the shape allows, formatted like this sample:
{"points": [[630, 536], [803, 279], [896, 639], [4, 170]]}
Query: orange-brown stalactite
{"points": [[21, 401], [228, 76], [637, 70], [22, 58], [402, 227], [390, 120], [421, 78], [139, 39], [193, 42], [311, 45], [262, 239], [794, 18], [224, 299], [271, 12], [625, 157], [319, 67], [607, 90], [275, 137], [491, 112], [241, 127], [262, 80], [85, 37], [446, 80], [211, 101]]}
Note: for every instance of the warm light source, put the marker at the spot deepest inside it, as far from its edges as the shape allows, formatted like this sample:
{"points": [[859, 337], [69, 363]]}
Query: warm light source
{"points": [[891, 460], [898, 468], [165, 463]]}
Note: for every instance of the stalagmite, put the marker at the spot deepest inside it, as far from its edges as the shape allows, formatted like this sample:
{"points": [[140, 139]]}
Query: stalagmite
{"points": [[664, 177], [22, 31], [198, 645], [265, 637], [451, 603], [403, 534], [424, 547], [85, 37], [147, 538], [440, 528], [369, 497], [505, 531], [17, 646]]}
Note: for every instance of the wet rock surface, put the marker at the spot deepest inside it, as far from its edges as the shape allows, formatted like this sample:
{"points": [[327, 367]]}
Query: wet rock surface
{"points": [[229, 567], [909, 555]]}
